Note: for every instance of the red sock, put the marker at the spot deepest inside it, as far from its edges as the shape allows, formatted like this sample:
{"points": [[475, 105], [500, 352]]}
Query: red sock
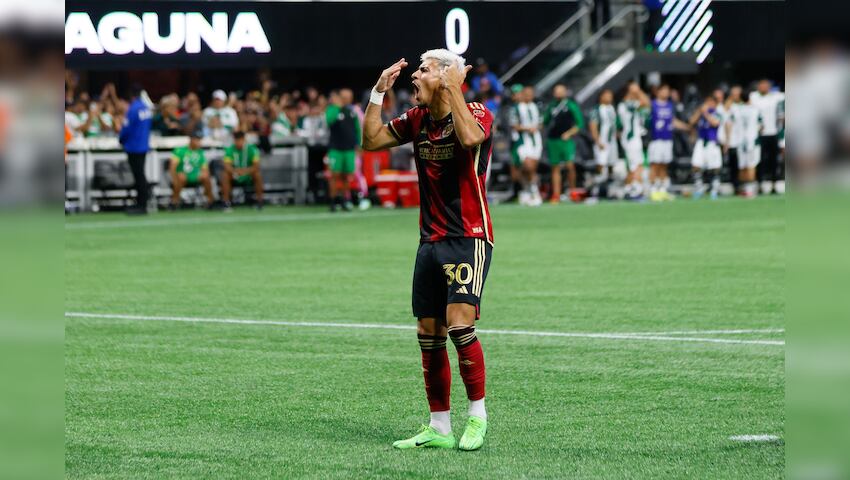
{"points": [[437, 372], [471, 359]]}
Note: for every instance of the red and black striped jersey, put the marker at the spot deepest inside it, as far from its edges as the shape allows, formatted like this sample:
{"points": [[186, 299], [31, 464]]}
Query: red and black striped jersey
{"points": [[453, 202]]}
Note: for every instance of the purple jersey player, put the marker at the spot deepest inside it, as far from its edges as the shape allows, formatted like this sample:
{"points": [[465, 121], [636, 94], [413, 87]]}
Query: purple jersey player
{"points": [[662, 119], [660, 153], [707, 155]]}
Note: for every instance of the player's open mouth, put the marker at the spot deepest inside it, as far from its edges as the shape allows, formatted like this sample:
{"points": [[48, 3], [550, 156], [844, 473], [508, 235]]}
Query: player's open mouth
{"points": [[415, 90]]}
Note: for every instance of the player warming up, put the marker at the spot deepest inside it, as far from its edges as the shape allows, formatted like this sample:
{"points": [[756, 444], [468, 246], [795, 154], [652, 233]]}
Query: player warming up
{"points": [[452, 146]]}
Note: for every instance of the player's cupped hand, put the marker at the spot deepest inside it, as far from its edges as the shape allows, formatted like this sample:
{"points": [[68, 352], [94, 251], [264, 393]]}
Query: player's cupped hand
{"points": [[389, 76], [453, 77]]}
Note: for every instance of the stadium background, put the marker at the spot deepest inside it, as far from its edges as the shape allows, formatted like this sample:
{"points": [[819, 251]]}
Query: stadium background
{"points": [[199, 344], [322, 46]]}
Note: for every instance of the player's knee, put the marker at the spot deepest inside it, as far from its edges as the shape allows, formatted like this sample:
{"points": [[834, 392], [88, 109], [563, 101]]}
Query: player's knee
{"points": [[430, 326], [460, 314]]}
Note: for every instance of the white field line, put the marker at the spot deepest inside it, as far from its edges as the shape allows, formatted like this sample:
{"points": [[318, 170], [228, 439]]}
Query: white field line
{"points": [[713, 332], [754, 438], [617, 336], [221, 219]]}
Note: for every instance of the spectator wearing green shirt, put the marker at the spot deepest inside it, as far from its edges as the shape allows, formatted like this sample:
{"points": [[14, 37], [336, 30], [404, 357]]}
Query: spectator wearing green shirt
{"points": [[241, 166], [344, 126], [564, 120], [188, 169]]}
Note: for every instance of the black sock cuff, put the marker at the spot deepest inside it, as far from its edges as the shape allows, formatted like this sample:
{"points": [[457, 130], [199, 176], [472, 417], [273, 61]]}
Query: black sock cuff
{"points": [[463, 335], [431, 342]]}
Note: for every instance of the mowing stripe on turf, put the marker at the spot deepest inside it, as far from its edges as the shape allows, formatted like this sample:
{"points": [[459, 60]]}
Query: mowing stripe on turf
{"points": [[223, 219], [611, 336], [754, 438]]}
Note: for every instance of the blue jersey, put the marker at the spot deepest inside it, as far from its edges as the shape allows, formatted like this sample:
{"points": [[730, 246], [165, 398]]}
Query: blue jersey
{"points": [[136, 132], [662, 120], [707, 132]]}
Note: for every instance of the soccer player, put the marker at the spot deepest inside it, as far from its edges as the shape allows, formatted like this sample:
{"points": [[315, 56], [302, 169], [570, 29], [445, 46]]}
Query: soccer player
{"points": [[768, 104], [632, 114], [516, 162], [732, 129], [344, 125], [525, 120], [452, 145], [241, 165], [707, 156], [189, 168], [662, 122], [564, 120], [747, 124], [603, 129]]}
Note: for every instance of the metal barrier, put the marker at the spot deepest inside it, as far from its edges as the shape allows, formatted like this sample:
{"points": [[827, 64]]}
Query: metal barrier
{"points": [[284, 170]]}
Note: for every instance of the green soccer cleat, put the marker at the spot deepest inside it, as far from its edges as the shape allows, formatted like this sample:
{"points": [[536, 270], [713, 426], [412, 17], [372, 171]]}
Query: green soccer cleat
{"points": [[473, 436], [427, 438]]}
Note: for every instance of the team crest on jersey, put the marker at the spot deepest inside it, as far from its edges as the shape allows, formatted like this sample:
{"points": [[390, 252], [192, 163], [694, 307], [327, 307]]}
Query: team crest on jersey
{"points": [[447, 131]]}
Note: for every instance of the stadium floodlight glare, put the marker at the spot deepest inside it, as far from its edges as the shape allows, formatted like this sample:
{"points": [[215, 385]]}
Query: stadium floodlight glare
{"points": [[705, 51], [123, 33]]}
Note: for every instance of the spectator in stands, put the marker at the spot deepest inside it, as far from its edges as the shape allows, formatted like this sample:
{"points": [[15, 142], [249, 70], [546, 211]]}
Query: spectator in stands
{"points": [[135, 138], [192, 118], [101, 122], [482, 71], [77, 118], [286, 122], [188, 168], [344, 126], [241, 166], [314, 127], [220, 119], [487, 96], [166, 121]]}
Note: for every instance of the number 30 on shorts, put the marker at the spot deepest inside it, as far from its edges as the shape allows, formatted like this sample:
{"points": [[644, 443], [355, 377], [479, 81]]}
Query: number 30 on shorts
{"points": [[461, 272]]}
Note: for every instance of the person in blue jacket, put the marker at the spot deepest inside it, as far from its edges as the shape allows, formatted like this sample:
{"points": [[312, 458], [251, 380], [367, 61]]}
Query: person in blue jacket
{"points": [[135, 138]]}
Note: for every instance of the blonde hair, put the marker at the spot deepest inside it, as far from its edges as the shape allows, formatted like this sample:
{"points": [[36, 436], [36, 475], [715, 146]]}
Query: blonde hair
{"points": [[444, 58]]}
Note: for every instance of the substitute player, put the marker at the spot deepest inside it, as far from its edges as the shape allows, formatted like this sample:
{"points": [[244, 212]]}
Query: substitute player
{"points": [[662, 121], [452, 144], [189, 168], [603, 129], [707, 156], [344, 125], [563, 120], [748, 122], [632, 114], [525, 120], [241, 166]]}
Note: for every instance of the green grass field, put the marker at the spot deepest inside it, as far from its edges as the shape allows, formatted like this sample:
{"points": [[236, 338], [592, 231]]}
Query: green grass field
{"points": [[158, 385]]}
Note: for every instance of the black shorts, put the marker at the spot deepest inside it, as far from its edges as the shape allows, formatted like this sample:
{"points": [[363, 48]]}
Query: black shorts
{"points": [[449, 271]]}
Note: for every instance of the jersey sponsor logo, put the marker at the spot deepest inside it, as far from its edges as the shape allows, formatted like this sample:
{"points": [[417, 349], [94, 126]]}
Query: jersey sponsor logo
{"points": [[429, 151], [123, 33], [462, 290]]}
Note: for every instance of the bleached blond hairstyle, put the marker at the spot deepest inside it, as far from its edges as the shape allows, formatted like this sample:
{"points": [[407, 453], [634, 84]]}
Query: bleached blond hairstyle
{"points": [[444, 58]]}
